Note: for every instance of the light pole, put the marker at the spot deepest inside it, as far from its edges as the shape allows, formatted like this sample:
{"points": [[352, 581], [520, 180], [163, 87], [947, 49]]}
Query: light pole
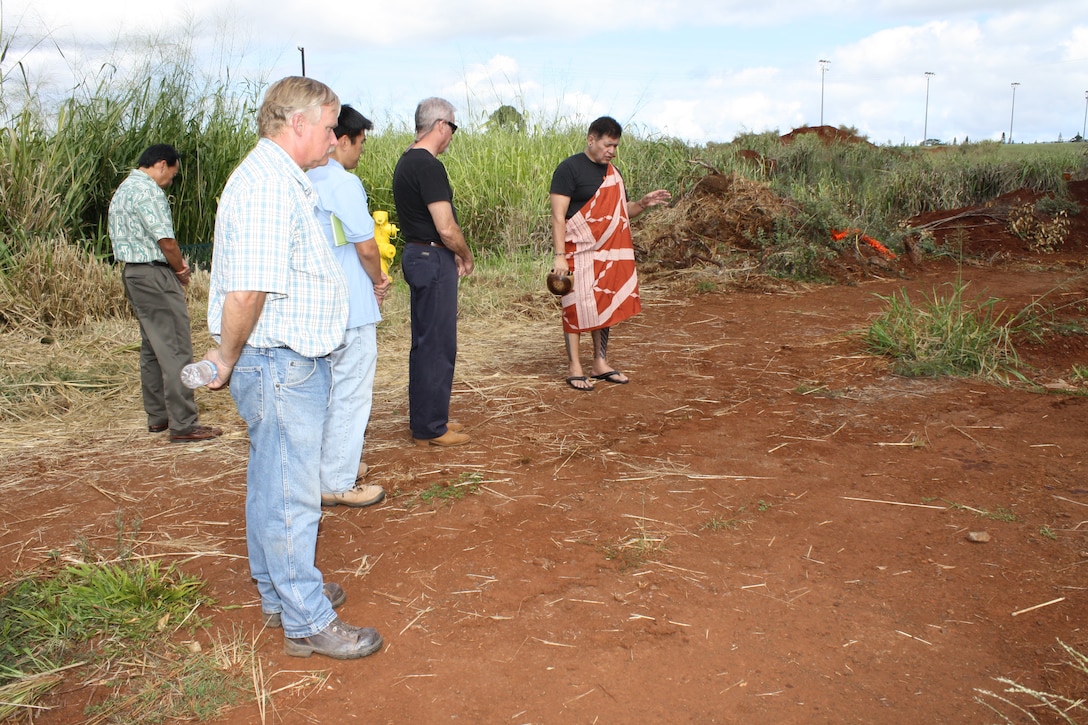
{"points": [[1084, 126], [824, 65], [925, 122], [1012, 113]]}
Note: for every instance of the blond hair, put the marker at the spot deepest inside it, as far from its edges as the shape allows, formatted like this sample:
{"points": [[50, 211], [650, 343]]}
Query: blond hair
{"points": [[288, 96]]}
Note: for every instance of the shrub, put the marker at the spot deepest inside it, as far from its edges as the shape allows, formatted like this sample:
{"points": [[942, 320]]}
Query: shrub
{"points": [[945, 336]]}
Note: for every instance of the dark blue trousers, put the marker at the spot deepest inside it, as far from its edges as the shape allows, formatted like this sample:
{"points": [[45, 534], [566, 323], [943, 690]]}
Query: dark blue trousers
{"points": [[431, 274]]}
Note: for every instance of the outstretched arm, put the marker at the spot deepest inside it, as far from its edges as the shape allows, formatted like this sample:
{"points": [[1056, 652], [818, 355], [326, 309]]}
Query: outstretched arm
{"points": [[634, 208]]}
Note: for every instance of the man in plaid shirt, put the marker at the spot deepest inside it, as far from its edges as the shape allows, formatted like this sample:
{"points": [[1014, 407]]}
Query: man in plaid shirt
{"points": [[277, 306]]}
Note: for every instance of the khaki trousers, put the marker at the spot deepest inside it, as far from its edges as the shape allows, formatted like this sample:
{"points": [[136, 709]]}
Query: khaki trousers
{"points": [[166, 344]]}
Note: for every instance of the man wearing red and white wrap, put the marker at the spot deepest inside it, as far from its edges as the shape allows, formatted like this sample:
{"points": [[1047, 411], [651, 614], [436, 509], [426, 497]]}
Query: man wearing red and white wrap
{"points": [[591, 231]]}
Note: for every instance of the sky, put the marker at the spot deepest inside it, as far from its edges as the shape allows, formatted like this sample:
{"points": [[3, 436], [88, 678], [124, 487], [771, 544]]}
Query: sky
{"points": [[698, 70]]}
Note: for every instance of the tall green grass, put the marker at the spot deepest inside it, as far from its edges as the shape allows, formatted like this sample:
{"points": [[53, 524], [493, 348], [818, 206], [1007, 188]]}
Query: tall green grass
{"points": [[60, 166], [500, 179]]}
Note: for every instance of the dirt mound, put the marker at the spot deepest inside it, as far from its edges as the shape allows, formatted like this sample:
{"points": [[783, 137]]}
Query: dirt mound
{"points": [[724, 215], [758, 161], [827, 134], [997, 231], [720, 214]]}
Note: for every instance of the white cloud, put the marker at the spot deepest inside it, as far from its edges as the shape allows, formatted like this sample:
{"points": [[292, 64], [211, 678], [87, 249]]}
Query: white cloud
{"points": [[699, 69]]}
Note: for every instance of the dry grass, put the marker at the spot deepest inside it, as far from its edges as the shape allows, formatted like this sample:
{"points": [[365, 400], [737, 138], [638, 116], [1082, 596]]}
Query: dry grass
{"points": [[57, 284], [58, 379]]}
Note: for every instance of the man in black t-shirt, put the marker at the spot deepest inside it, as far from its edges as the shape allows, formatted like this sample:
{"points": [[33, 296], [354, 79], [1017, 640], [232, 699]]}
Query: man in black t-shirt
{"points": [[592, 238], [435, 256]]}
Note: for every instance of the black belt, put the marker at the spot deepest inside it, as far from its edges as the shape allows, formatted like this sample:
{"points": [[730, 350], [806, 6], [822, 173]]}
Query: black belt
{"points": [[147, 264], [430, 244]]}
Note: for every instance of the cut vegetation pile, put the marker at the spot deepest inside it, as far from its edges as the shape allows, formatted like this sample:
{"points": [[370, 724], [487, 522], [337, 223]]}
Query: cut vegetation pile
{"points": [[721, 214]]}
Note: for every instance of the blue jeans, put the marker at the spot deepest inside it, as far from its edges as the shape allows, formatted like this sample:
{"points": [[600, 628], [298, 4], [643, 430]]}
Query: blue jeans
{"points": [[353, 365], [283, 396], [431, 274]]}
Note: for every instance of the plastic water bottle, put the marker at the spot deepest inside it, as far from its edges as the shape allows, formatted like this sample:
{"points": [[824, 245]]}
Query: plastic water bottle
{"points": [[195, 375]]}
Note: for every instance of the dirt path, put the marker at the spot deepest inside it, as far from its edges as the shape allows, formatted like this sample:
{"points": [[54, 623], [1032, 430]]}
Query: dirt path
{"points": [[764, 526]]}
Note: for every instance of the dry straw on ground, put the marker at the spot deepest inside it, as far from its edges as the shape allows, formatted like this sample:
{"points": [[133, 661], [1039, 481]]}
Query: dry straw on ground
{"points": [[56, 379]]}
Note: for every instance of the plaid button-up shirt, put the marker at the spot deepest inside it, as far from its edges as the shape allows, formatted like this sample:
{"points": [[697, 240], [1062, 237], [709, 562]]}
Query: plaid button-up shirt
{"points": [[268, 240]]}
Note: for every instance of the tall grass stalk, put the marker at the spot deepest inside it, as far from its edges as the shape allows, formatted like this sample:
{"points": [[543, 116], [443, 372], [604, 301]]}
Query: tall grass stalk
{"points": [[59, 169], [60, 166]]}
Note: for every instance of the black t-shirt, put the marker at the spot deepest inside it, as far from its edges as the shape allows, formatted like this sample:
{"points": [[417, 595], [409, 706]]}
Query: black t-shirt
{"points": [[418, 180], [579, 178]]}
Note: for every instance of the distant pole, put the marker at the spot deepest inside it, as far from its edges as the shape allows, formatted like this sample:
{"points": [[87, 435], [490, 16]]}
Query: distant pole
{"points": [[925, 122], [824, 64], [1084, 126], [1012, 113], [302, 52]]}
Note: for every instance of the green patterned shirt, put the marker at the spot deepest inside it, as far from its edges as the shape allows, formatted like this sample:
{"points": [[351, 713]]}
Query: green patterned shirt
{"points": [[139, 217]]}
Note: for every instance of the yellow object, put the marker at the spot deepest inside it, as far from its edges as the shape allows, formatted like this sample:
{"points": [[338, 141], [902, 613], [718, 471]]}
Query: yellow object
{"points": [[383, 232]]}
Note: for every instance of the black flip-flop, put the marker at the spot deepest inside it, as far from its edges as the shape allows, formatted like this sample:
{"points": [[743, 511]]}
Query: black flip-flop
{"points": [[583, 378], [610, 377]]}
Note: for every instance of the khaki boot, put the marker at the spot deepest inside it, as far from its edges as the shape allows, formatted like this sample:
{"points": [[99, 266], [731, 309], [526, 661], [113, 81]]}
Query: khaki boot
{"points": [[449, 438]]}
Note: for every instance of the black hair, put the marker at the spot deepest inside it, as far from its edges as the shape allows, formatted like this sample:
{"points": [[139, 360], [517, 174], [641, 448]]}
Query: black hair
{"points": [[605, 126], [351, 123], [156, 153]]}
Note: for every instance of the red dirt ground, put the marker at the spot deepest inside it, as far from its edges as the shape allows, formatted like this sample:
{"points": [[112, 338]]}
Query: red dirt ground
{"points": [[765, 526]]}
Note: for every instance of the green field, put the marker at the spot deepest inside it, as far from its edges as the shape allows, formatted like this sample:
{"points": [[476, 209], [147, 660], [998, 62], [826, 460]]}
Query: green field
{"points": [[59, 168]]}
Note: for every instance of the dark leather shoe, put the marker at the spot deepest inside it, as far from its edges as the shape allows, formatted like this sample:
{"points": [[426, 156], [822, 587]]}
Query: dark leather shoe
{"points": [[333, 592], [339, 640], [196, 433], [157, 427]]}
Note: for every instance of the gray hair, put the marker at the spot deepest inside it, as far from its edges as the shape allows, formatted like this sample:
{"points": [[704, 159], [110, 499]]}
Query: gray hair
{"points": [[289, 96], [429, 111]]}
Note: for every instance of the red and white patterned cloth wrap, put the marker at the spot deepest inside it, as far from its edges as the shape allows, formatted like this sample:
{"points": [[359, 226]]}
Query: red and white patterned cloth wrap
{"points": [[601, 255]]}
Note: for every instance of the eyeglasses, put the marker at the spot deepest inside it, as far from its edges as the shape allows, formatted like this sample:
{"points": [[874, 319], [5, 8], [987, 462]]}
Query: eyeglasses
{"points": [[452, 125]]}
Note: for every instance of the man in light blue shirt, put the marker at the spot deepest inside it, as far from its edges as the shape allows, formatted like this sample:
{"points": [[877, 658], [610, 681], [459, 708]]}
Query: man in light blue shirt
{"points": [[277, 305], [344, 217]]}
